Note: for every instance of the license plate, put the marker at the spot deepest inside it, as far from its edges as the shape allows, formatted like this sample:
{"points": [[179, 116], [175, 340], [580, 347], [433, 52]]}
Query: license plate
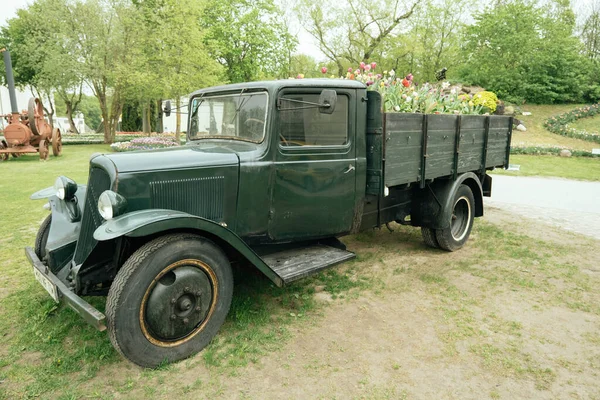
{"points": [[46, 283]]}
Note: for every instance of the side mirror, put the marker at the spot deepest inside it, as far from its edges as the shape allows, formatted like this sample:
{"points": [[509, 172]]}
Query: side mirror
{"points": [[167, 108], [327, 101]]}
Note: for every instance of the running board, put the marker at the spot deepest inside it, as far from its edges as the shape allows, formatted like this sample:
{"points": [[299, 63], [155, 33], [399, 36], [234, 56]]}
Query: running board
{"points": [[299, 263]]}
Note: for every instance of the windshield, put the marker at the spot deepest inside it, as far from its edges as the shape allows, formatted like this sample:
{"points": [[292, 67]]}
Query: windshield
{"points": [[237, 116]]}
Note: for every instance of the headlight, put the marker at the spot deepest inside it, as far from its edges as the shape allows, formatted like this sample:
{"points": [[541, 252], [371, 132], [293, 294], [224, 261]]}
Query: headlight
{"points": [[111, 204], [65, 188]]}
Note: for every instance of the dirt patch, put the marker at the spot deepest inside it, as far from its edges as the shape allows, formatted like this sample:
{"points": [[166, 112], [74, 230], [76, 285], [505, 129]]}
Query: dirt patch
{"points": [[477, 323]]}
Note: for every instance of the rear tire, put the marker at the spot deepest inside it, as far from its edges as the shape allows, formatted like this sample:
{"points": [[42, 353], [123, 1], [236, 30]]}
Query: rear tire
{"points": [[429, 237], [42, 237], [169, 299], [461, 221]]}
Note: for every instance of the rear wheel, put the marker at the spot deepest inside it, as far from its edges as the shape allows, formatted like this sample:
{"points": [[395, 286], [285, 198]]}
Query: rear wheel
{"points": [[169, 299], [429, 237], [461, 221], [42, 237]]}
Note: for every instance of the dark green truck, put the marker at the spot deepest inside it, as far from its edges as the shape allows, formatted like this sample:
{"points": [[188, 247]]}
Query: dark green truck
{"points": [[272, 174]]}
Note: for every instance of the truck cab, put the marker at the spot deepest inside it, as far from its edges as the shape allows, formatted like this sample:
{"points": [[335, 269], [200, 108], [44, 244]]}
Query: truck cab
{"points": [[273, 173]]}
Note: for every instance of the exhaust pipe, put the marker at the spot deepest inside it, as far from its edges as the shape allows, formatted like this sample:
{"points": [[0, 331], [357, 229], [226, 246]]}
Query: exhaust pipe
{"points": [[10, 81]]}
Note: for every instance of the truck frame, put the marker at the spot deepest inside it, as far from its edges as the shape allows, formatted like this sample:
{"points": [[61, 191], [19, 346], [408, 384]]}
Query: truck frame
{"points": [[272, 175]]}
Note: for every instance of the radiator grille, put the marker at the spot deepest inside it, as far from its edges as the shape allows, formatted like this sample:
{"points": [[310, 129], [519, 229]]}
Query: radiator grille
{"points": [[203, 197], [98, 182]]}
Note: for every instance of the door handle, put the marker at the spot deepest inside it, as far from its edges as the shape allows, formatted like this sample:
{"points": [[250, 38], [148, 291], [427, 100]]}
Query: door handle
{"points": [[350, 168]]}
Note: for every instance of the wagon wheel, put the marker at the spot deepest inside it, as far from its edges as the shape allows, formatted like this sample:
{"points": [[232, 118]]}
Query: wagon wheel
{"points": [[35, 109], [3, 156], [43, 149], [56, 142], [15, 155]]}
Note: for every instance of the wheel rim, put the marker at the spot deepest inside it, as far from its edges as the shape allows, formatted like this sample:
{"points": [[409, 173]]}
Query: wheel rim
{"points": [[461, 218], [56, 142], [178, 303], [43, 149]]}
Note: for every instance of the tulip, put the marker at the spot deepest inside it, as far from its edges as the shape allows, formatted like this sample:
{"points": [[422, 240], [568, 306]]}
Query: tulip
{"points": [[362, 65], [409, 77], [367, 67], [324, 70], [350, 69], [373, 65], [405, 82], [300, 76]]}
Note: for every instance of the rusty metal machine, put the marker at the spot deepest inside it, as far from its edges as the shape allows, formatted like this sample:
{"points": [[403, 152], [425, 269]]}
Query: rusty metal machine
{"points": [[28, 131]]}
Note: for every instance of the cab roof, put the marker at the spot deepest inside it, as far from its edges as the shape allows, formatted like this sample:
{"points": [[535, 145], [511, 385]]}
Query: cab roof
{"points": [[273, 86]]}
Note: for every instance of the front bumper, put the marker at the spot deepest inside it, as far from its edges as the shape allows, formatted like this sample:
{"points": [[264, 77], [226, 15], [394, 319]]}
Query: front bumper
{"points": [[82, 307]]}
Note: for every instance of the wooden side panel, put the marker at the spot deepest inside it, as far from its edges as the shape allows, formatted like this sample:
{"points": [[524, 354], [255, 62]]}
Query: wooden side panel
{"points": [[472, 136], [441, 135], [498, 140], [403, 148]]}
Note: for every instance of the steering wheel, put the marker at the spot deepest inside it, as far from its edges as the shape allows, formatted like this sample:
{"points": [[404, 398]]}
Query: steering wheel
{"points": [[251, 123]]}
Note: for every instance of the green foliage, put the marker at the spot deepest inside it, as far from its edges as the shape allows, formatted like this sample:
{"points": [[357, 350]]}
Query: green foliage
{"points": [[524, 52], [249, 38]]}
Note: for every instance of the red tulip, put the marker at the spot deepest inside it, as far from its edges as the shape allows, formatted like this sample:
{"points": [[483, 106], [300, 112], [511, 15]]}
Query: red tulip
{"points": [[324, 70], [362, 65], [373, 65], [406, 82]]}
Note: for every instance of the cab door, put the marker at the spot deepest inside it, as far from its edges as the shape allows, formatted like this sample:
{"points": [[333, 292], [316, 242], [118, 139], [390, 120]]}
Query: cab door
{"points": [[313, 195]]}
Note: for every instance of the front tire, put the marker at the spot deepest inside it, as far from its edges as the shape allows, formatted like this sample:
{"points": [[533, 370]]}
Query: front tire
{"points": [[461, 221], [169, 299]]}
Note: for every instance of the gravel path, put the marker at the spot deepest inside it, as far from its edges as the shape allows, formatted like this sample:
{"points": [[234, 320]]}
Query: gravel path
{"points": [[571, 205]]}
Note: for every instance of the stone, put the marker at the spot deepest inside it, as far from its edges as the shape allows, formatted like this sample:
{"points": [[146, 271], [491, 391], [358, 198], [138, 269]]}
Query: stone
{"points": [[521, 128], [509, 110], [565, 153], [472, 89]]}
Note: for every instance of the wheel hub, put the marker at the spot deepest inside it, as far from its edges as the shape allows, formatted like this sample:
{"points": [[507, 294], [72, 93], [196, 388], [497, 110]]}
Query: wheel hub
{"points": [[178, 302]]}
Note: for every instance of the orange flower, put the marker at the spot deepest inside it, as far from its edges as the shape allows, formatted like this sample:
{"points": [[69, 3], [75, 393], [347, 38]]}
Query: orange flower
{"points": [[405, 82]]}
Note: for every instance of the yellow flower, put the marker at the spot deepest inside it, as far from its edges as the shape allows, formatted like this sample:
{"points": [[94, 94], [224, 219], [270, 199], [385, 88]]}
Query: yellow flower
{"points": [[385, 72], [471, 103]]}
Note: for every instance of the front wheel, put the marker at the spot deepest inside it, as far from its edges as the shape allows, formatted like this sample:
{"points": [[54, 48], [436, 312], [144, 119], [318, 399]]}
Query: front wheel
{"points": [[169, 299], [461, 221]]}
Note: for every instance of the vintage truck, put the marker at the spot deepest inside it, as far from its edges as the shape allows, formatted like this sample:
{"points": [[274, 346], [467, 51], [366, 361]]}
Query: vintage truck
{"points": [[273, 173]]}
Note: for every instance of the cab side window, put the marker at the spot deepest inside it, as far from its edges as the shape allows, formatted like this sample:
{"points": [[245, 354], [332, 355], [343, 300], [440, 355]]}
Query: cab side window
{"points": [[302, 126]]}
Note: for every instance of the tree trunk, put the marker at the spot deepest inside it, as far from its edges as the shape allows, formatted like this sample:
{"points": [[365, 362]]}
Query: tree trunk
{"points": [[70, 117], [145, 119], [178, 119], [159, 121]]}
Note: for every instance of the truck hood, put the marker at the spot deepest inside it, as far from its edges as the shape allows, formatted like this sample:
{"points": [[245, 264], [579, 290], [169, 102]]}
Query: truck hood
{"points": [[183, 157]]}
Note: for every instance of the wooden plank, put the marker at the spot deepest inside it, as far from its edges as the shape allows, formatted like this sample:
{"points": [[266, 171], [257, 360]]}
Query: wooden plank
{"points": [[298, 263]]}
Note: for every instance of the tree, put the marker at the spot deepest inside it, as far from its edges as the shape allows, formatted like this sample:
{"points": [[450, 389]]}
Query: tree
{"points": [[248, 38], [525, 52], [356, 30], [43, 60]]}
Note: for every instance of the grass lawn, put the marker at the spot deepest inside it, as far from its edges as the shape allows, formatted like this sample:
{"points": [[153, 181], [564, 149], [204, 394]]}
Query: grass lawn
{"points": [[514, 314], [591, 124], [537, 135], [582, 168]]}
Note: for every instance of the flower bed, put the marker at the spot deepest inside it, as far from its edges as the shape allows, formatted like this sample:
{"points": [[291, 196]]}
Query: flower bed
{"points": [[71, 139], [145, 143], [404, 95], [553, 151], [560, 124]]}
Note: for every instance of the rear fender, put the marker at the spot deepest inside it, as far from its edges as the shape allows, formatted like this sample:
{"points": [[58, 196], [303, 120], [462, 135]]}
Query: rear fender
{"points": [[432, 206], [149, 222]]}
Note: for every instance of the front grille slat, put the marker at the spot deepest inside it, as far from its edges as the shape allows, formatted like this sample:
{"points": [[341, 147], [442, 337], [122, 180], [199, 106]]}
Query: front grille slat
{"points": [[203, 197], [98, 182]]}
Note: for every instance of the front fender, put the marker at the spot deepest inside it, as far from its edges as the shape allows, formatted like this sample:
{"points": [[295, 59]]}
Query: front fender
{"points": [[49, 192], [147, 222]]}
